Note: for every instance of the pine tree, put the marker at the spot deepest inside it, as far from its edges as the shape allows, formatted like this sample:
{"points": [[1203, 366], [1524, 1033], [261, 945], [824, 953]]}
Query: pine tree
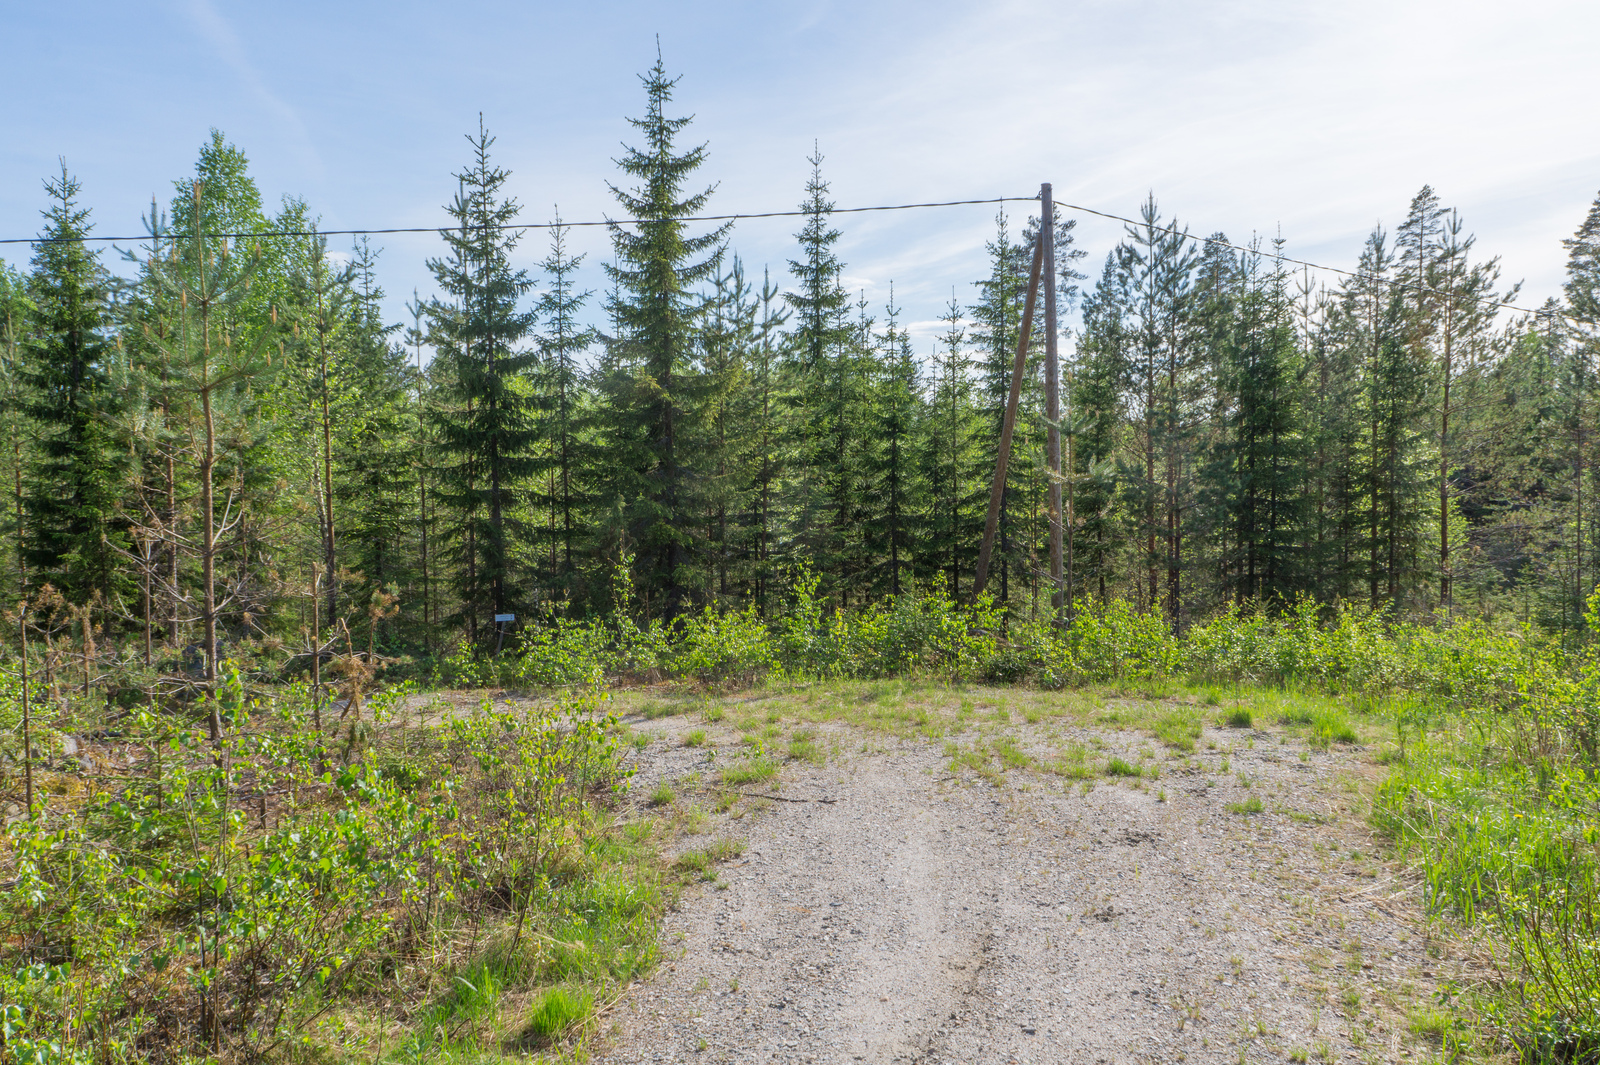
{"points": [[1160, 265], [1465, 306], [192, 400], [1394, 383], [482, 422], [320, 307], [73, 492], [651, 411]]}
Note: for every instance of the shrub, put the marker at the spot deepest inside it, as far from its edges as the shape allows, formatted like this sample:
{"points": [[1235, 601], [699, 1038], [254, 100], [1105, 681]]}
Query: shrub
{"points": [[723, 648]]}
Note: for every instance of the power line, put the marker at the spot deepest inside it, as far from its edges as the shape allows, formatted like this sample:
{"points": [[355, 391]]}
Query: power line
{"points": [[1170, 230], [1186, 235], [515, 225]]}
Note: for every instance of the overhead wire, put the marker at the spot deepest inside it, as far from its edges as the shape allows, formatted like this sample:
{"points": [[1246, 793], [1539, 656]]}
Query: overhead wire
{"points": [[518, 225], [1278, 257], [1169, 230]]}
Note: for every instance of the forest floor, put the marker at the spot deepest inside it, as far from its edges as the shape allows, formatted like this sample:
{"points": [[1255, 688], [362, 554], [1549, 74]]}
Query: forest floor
{"points": [[933, 873]]}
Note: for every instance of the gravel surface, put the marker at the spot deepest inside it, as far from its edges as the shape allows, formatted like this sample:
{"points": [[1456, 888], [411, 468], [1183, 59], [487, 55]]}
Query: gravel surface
{"points": [[910, 912]]}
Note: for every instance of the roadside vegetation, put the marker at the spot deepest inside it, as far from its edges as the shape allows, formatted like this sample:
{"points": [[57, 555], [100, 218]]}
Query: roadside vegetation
{"points": [[402, 878]]}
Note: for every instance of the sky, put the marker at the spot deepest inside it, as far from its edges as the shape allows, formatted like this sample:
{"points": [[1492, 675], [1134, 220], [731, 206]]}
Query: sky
{"points": [[1312, 120]]}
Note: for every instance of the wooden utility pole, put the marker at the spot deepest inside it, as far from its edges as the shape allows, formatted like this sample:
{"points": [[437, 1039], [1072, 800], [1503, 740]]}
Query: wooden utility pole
{"points": [[998, 490], [1052, 391]]}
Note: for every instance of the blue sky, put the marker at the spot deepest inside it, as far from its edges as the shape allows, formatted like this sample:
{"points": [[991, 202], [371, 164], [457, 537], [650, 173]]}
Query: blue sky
{"points": [[1246, 116]]}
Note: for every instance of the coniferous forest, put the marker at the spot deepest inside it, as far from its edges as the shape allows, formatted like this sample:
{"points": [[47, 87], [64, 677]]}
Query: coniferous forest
{"points": [[249, 522], [203, 449]]}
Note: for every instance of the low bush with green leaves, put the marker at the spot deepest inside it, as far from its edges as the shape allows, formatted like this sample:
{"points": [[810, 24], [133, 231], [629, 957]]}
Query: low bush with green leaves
{"points": [[229, 899]]}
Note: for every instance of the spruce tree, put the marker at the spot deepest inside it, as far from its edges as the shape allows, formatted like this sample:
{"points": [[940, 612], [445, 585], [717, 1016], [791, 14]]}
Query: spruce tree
{"points": [[567, 460], [728, 324], [894, 484], [74, 487], [769, 457], [15, 309], [1262, 450], [652, 408], [1160, 264], [952, 465], [483, 430], [1101, 377], [996, 321], [817, 351]]}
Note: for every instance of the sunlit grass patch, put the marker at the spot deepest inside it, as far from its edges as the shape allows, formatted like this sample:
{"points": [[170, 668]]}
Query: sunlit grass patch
{"points": [[1010, 755], [556, 1013], [1073, 763], [1117, 767], [1178, 729], [803, 747], [756, 770]]}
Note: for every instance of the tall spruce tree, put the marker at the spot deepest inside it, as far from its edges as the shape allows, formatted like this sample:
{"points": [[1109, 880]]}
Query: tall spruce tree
{"points": [[75, 484], [1263, 443], [15, 309], [1100, 378], [819, 366], [651, 410], [769, 454], [996, 321], [566, 458], [483, 430], [895, 487], [951, 463]]}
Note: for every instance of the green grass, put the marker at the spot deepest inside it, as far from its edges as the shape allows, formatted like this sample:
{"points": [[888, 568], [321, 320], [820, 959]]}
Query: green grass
{"points": [[1073, 763], [803, 747], [1116, 767], [1239, 717], [756, 770], [695, 738], [661, 795], [1010, 755], [1252, 805], [556, 1012], [1178, 729], [700, 864]]}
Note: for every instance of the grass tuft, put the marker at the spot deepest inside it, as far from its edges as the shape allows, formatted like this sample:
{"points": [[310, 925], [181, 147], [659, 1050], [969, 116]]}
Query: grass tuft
{"points": [[556, 1012]]}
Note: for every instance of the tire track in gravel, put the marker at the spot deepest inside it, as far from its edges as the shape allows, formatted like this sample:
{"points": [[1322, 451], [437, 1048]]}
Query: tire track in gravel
{"points": [[920, 918]]}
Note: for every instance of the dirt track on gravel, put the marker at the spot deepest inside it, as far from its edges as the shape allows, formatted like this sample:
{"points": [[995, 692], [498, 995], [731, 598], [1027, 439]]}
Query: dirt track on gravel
{"points": [[912, 912]]}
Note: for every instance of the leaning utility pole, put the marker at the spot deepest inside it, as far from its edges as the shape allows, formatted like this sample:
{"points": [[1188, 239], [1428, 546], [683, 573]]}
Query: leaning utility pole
{"points": [[1052, 391], [998, 490]]}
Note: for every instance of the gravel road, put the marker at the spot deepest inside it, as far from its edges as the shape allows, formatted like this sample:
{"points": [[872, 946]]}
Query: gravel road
{"points": [[910, 912]]}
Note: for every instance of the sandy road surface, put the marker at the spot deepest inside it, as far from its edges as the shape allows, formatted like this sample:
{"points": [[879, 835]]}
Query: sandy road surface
{"points": [[923, 915]]}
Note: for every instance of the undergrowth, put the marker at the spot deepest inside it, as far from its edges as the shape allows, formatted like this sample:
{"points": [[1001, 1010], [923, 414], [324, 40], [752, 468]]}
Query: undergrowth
{"points": [[452, 887]]}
